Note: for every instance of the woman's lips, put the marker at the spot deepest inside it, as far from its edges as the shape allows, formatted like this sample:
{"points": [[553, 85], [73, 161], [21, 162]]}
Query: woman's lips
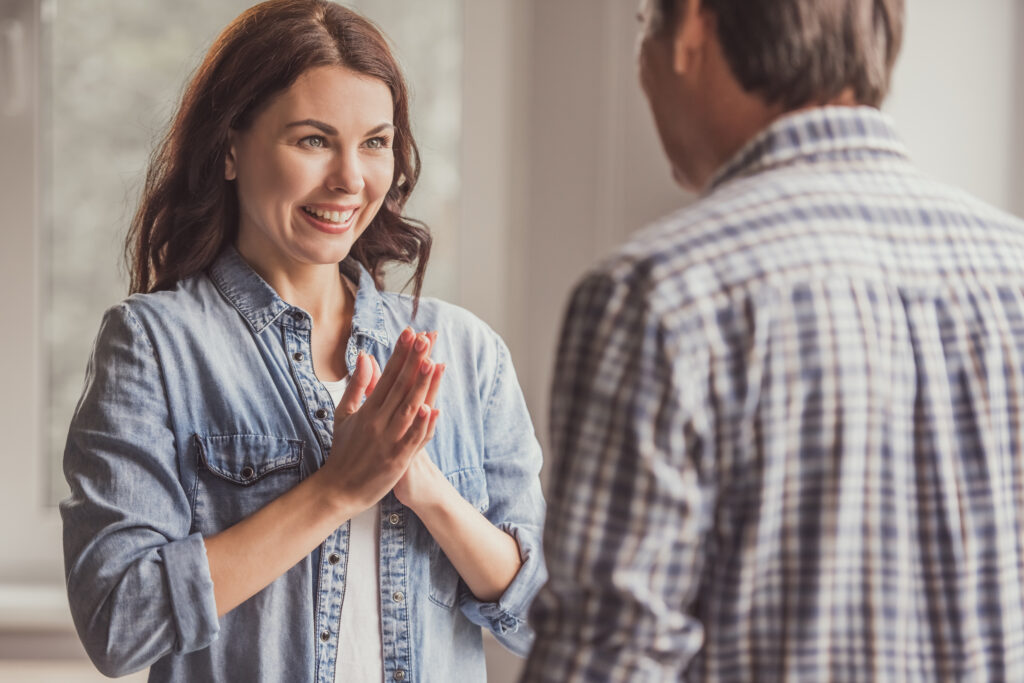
{"points": [[332, 221]]}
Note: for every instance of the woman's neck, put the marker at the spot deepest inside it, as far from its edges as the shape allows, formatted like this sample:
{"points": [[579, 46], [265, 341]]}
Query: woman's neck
{"points": [[317, 289]]}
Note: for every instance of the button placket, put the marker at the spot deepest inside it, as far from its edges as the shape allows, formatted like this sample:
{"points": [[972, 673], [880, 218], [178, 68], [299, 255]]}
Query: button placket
{"points": [[393, 583], [333, 567], [316, 396]]}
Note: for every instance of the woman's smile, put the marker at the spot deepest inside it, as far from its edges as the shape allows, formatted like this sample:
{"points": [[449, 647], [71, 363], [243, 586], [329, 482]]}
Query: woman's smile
{"points": [[332, 219]]}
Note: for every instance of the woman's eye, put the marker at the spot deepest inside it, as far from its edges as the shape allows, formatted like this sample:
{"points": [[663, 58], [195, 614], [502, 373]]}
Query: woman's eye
{"points": [[315, 141], [380, 142]]}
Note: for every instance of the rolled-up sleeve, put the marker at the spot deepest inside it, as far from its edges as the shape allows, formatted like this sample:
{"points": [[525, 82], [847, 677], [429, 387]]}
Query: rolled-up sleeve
{"points": [[512, 462], [138, 581]]}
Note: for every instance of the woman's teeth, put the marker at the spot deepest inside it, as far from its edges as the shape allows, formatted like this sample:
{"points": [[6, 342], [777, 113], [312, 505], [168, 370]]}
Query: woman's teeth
{"points": [[330, 216]]}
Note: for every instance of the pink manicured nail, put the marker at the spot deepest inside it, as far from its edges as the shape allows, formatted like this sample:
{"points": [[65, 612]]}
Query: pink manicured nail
{"points": [[421, 343], [406, 335], [426, 366]]}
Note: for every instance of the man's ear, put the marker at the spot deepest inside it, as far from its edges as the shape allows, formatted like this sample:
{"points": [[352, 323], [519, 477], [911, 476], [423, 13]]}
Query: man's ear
{"points": [[230, 172], [690, 36]]}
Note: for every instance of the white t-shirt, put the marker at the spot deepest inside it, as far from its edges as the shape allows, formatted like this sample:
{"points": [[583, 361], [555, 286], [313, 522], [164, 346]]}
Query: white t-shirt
{"points": [[360, 652]]}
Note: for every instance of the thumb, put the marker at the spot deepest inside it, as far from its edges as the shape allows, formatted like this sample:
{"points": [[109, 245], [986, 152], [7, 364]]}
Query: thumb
{"points": [[357, 385]]}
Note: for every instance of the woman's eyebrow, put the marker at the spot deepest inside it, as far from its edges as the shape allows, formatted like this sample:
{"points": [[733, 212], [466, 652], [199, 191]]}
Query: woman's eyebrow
{"points": [[326, 128], [381, 128], [331, 130]]}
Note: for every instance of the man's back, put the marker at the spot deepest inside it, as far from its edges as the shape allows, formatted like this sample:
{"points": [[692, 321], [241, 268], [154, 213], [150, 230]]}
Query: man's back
{"points": [[801, 456]]}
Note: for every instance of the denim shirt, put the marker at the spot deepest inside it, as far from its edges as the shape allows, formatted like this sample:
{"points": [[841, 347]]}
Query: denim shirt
{"points": [[200, 407]]}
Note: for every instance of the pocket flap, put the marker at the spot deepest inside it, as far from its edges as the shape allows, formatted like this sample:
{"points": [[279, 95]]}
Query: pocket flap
{"points": [[471, 483], [247, 458]]}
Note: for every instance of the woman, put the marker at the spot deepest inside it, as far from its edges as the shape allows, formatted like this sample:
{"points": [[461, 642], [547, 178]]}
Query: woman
{"points": [[226, 522]]}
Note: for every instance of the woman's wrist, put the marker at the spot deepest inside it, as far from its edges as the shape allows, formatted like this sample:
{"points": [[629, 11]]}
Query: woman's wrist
{"points": [[336, 501], [433, 496]]}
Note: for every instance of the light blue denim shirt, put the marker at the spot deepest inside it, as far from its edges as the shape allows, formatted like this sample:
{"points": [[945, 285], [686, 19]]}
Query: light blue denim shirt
{"points": [[200, 407]]}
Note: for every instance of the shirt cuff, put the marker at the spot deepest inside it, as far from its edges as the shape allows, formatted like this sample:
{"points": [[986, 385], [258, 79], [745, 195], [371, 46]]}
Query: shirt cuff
{"points": [[506, 618], [191, 592]]}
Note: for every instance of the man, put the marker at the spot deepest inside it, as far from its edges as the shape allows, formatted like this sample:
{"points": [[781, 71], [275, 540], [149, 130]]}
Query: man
{"points": [[788, 421]]}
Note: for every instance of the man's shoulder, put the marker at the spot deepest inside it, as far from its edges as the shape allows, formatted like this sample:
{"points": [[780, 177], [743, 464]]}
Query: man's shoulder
{"points": [[795, 220], [679, 256]]}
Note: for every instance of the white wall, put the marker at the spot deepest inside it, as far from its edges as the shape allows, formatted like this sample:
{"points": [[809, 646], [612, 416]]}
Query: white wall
{"points": [[595, 168], [956, 94]]}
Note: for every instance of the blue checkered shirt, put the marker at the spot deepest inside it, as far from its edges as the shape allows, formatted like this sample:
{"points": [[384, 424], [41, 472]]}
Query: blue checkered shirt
{"points": [[787, 427]]}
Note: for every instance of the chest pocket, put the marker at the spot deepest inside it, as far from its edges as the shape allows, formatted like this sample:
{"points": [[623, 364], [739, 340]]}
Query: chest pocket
{"points": [[240, 473], [444, 580]]}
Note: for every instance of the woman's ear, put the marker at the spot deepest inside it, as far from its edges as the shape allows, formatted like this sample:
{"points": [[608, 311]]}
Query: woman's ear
{"points": [[230, 172]]}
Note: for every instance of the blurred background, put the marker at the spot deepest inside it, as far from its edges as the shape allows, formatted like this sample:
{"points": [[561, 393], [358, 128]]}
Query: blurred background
{"points": [[538, 157]]}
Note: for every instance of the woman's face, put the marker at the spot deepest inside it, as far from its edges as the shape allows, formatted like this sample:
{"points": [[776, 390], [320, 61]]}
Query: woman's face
{"points": [[313, 168]]}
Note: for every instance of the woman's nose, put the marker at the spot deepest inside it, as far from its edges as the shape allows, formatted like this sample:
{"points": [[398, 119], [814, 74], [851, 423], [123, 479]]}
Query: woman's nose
{"points": [[346, 173]]}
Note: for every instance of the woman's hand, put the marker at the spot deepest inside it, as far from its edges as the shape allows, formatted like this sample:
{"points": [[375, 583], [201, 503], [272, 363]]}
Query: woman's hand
{"points": [[423, 484], [374, 444], [486, 557]]}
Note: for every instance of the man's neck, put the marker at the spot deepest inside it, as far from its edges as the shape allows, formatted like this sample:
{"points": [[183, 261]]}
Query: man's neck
{"points": [[739, 117]]}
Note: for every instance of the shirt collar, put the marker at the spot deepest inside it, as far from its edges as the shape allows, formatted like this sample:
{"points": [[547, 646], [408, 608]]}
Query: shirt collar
{"points": [[260, 304], [816, 133]]}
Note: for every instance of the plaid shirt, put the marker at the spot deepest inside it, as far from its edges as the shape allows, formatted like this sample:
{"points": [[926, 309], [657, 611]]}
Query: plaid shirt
{"points": [[787, 429]]}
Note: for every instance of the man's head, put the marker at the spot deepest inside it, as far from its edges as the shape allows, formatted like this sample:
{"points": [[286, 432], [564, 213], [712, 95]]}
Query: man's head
{"points": [[780, 54]]}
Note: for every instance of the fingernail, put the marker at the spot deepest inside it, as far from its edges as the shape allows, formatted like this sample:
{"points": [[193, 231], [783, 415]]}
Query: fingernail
{"points": [[424, 410], [406, 335], [426, 366], [421, 343]]}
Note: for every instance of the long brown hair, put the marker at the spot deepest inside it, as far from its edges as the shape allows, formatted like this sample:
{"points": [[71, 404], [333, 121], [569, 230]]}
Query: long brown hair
{"points": [[188, 212]]}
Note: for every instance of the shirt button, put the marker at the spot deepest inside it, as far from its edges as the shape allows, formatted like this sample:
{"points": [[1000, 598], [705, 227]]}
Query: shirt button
{"points": [[325, 636], [394, 518], [398, 596], [298, 356], [399, 675], [334, 558], [321, 413], [296, 316], [247, 472]]}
